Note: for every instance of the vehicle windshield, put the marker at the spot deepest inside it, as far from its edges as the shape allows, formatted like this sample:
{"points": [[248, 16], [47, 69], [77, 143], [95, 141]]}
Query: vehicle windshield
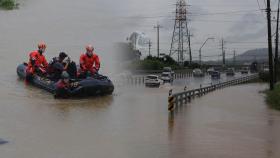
{"points": [[152, 77], [165, 75]]}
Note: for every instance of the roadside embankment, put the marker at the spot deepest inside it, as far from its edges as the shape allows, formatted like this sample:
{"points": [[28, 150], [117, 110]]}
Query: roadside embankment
{"points": [[273, 97]]}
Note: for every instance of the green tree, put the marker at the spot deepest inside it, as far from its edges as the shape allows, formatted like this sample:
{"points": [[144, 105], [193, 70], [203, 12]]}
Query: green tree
{"points": [[8, 4]]}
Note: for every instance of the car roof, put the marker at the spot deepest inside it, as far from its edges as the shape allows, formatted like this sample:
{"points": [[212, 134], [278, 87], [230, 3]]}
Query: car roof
{"points": [[151, 76]]}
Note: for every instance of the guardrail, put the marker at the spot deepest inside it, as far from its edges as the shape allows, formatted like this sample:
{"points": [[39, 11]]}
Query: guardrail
{"points": [[175, 100], [140, 80]]}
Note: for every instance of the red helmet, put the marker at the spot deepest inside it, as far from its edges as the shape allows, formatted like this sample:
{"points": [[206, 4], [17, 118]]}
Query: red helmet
{"points": [[89, 48], [42, 45]]}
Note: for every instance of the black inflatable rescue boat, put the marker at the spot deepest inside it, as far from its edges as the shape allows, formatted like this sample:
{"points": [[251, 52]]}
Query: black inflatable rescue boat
{"points": [[90, 86]]}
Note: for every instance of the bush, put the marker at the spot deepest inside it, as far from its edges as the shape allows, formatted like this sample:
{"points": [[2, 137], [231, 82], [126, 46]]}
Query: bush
{"points": [[264, 76], [146, 65], [273, 98], [154, 63], [8, 4]]}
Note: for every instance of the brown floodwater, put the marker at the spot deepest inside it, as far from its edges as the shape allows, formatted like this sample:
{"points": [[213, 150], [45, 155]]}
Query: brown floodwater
{"points": [[134, 121]]}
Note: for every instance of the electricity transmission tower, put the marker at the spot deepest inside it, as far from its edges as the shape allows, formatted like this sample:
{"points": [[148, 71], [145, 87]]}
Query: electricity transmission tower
{"points": [[180, 38]]}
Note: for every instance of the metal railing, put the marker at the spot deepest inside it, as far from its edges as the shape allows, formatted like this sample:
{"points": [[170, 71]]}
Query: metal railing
{"points": [[140, 80], [177, 99]]}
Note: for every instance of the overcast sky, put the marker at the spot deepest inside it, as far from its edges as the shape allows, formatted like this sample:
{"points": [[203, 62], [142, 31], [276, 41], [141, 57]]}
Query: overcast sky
{"points": [[70, 24], [239, 22]]}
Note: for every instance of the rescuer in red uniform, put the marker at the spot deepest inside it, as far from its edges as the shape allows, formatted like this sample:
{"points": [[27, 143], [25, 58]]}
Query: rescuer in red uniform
{"points": [[37, 62], [89, 62]]}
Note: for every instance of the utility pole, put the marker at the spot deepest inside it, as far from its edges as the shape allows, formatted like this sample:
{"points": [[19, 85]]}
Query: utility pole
{"points": [[200, 61], [223, 53], [135, 41], [158, 27], [150, 45], [276, 46], [190, 49], [224, 58], [234, 58], [268, 10]]}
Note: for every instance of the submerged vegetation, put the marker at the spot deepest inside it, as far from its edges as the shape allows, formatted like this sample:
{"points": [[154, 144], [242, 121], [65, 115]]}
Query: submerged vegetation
{"points": [[273, 98], [8, 4]]}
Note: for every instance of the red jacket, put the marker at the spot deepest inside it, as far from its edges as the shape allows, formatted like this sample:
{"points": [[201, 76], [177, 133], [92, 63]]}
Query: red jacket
{"points": [[89, 63], [40, 62]]}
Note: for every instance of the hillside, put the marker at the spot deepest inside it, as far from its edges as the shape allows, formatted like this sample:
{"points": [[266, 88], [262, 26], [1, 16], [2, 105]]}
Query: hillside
{"points": [[260, 55]]}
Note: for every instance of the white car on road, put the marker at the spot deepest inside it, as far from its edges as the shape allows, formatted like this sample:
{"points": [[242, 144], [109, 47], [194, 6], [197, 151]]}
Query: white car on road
{"points": [[152, 81], [198, 73], [167, 77]]}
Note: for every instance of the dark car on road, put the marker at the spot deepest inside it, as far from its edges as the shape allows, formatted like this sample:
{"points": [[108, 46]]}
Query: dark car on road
{"points": [[215, 75], [230, 72]]}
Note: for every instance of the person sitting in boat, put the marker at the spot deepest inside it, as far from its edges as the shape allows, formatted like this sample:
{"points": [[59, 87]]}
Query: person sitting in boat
{"points": [[37, 62], [89, 63], [60, 64], [63, 85], [62, 58], [57, 66]]}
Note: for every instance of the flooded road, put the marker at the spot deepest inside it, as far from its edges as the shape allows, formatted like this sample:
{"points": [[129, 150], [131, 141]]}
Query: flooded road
{"points": [[134, 121]]}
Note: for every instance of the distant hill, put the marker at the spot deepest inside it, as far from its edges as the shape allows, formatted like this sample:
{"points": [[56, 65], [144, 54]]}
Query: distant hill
{"points": [[260, 55]]}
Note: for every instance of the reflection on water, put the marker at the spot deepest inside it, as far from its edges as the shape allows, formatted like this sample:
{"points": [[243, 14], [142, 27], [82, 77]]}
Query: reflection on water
{"points": [[63, 107], [233, 122], [134, 122]]}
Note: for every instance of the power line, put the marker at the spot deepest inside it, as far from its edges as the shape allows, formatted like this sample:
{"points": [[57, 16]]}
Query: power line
{"points": [[259, 4], [260, 8], [264, 3], [226, 21], [223, 13], [192, 14], [257, 42]]}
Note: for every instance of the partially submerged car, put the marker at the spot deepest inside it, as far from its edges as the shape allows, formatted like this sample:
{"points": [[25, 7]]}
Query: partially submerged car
{"points": [[167, 77], [230, 72], [215, 75], [152, 81], [210, 70], [245, 70], [198, 73], [168, 69]]}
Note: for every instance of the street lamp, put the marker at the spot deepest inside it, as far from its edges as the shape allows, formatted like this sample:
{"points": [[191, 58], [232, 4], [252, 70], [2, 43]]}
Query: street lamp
{"points": [[202, 47]]}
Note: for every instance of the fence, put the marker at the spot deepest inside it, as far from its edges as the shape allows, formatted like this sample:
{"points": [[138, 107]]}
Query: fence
{"points": [[175, 100]]}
